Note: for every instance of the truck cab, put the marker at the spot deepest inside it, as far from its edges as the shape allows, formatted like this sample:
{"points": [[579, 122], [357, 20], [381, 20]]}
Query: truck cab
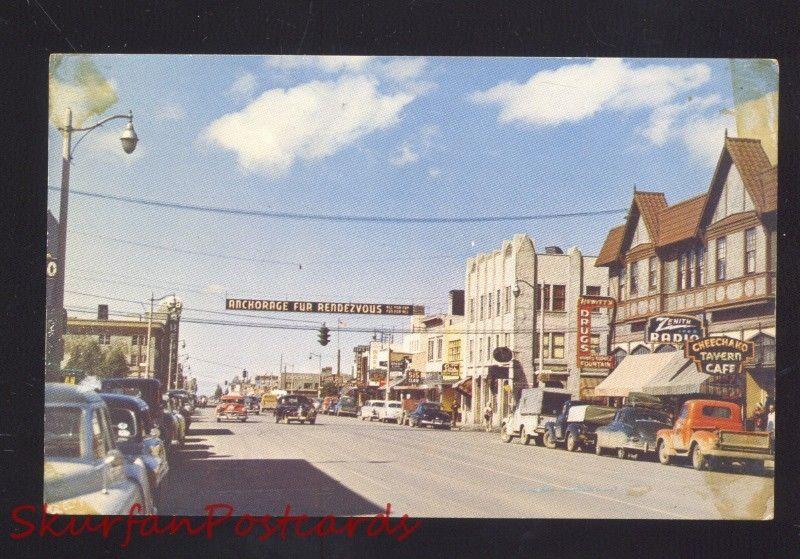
{"points": [[534, 409], [575, 425], [710, 433]]}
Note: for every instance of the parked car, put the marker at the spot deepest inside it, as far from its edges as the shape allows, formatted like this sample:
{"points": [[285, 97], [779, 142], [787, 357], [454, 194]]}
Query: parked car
{"points": [[268, 402], [329, 405], [253, 403], [137, 436], [346, 405], [711, 434], [170, 423], [295, 407], [575, 425], [84, 471], [370, 410], [534, 409], [391, 412], [183, 403], [430, 413], [202, 401], [231, 406], [633, 430]]}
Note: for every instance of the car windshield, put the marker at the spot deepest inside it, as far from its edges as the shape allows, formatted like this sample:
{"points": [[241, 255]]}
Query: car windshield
{"points": [[641, 414], [291, 400], [62, 432], [395, 404]]}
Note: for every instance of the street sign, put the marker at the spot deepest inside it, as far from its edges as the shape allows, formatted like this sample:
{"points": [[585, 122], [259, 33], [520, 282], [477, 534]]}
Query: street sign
{"points": [[323, 307], [719, 355], [673, 329]]}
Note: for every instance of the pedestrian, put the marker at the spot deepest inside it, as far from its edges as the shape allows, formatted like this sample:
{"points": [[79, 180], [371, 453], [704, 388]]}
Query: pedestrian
{"points": [[455, 413], [759, 417], [487, 416], [771, 419]]}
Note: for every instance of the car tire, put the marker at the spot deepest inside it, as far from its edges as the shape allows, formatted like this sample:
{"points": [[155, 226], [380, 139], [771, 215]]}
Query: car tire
{"points": [[572, 443], [622, 454], [312, 421], [755, 467], [219, 420], [548, 440], [662, 453], [504, 436], [598, 449], [243, 419], [698, 459], [523, 436], [277, 419]]}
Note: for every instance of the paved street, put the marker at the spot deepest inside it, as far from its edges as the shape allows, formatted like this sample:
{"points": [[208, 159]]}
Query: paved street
{"points": [[344, 466]]}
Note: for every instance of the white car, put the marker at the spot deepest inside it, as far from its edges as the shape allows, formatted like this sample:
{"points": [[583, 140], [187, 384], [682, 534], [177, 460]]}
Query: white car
{"points": [[391, 413], [370, 410]]}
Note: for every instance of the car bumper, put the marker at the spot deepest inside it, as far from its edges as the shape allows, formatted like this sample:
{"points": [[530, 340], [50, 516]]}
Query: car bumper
{"points": [[734, 454], [434, 422], [231, 415]]}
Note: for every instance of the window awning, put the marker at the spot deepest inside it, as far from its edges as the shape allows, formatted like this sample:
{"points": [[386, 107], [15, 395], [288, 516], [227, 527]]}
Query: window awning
{"points": [[686, 380], [637, 371], [464, 386]]}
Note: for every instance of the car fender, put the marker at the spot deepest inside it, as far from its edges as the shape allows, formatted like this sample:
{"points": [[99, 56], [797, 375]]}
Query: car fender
{"points": [[706, 440], [664, 437]]}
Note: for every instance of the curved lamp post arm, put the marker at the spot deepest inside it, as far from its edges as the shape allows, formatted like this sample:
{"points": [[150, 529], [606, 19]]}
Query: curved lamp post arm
{"points": [[128, 116], [129, 133]]}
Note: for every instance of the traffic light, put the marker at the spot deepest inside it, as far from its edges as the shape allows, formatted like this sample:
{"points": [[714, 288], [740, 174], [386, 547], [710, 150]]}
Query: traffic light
{"points": [[244, 373], [324, 335]]}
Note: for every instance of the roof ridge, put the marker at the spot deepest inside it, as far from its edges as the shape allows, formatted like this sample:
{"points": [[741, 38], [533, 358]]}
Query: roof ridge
{"points": [[692, 199]]}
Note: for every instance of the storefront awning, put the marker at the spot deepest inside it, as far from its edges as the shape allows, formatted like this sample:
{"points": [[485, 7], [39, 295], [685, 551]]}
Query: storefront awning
{"points": [[464, 386], [637, 371], [686, 380]]}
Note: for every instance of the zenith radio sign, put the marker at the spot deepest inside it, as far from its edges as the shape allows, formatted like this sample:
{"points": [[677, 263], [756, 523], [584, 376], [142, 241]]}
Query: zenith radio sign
{"points": [[322, 307]]}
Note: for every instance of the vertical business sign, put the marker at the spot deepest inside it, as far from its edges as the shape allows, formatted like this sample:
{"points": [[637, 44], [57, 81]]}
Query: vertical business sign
{"points": [[585, 357]]}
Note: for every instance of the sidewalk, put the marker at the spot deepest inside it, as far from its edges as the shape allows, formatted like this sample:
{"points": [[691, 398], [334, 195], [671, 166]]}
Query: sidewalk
{"points": [[475, 427]]}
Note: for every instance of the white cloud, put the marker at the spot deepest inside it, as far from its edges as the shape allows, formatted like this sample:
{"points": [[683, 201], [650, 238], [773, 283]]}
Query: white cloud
{"points": [[307, 122], [243, 87], [405, 156], [171, 111], [662, 122], [434, 172], [704, 136], [325, 63], [403, 69], [577, 91]]}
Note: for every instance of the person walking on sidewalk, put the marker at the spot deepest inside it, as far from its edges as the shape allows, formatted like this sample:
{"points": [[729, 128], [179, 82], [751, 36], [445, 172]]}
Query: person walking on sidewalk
{"points": [[455, 413], [487, 416]]}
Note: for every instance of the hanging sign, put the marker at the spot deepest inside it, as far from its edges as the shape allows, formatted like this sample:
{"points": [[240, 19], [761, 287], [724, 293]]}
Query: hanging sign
{"points": [[673, 329], [322, 307], [719, 355], [586, 358]]}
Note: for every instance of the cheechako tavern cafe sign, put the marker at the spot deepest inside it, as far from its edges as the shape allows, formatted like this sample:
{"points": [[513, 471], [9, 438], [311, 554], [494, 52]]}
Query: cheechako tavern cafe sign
{"points": [[322, 307], [719, 355]]}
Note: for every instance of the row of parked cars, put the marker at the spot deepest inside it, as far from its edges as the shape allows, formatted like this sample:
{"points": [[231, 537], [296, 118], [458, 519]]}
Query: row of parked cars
{"points": [[414, 414], [710, 434], [107, 447]]}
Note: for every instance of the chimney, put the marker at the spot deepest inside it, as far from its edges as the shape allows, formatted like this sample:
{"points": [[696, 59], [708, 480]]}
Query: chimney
{"points": [[456, 302], [553, 250], [102, 312]]}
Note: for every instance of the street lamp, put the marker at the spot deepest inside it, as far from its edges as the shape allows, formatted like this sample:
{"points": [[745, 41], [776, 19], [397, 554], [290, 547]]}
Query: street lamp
{"points": [[517, 291], [128, 139]]}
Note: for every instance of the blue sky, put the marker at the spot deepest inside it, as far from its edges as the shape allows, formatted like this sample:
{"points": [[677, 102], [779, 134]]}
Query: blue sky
{"points": [[407, 137]]}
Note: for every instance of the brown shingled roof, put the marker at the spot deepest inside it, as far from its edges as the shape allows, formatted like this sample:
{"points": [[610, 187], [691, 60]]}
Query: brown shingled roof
{"points": [[769, 188], [650, 205], [751, 161], [611, 247], [680, 221]]}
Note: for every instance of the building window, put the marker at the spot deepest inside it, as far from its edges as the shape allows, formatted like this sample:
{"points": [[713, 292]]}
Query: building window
{"points": [[681, 272], [750, 251], [593, 290], [430, 350], [640, 350], [652, 273], [543, 301], [665, 348], [634, 287], [721, 259], [471, 351], [472, 310], [558, 345], [498, 304], [559, 297], [439, 349], [453, 351], [497, 340], [619, 354], [488, 347], [508, 298], [764, 353], [105, 339], [508, 340], [545, 346], [483, 301], [134, 359], [621, 295], [489, 309], [480, 351], [700, 264]]}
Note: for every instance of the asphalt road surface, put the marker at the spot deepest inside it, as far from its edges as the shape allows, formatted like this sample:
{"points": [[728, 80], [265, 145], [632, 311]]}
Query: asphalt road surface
{"points": [[346, 467]]}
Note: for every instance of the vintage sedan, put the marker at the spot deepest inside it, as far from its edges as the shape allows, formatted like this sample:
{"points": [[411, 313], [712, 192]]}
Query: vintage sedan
{"points": [[231, 406], [137, 436], [84, 472], [430, 413], [295, 407], [632, 432]]}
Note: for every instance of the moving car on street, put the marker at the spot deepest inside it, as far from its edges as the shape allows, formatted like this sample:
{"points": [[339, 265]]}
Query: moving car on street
{"points": [[253, 404], [576, 424], [231, 406], [711, 434], [84, 472], [430, 413], [535, 408], [346, 405], [138, 437], [633, 430], [295, 407]]}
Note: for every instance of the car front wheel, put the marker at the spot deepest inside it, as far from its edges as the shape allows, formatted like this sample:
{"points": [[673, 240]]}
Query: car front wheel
{"points": [[663, 453], [572, 442], [548, 440], [523, 436], [504, 435], [699, 460]]}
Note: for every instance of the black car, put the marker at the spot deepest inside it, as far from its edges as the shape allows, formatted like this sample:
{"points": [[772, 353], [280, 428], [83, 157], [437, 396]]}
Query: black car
{"points": [[632, 431], [429, 413], [295, 407], [149, 390], [252, 403]]}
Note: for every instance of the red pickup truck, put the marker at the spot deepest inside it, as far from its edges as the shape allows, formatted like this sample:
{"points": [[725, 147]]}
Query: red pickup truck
{"points": [[711, 434]]}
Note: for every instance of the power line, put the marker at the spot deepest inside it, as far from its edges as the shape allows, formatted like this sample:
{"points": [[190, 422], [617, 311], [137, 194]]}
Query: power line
{"points": [[336, 218]]}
